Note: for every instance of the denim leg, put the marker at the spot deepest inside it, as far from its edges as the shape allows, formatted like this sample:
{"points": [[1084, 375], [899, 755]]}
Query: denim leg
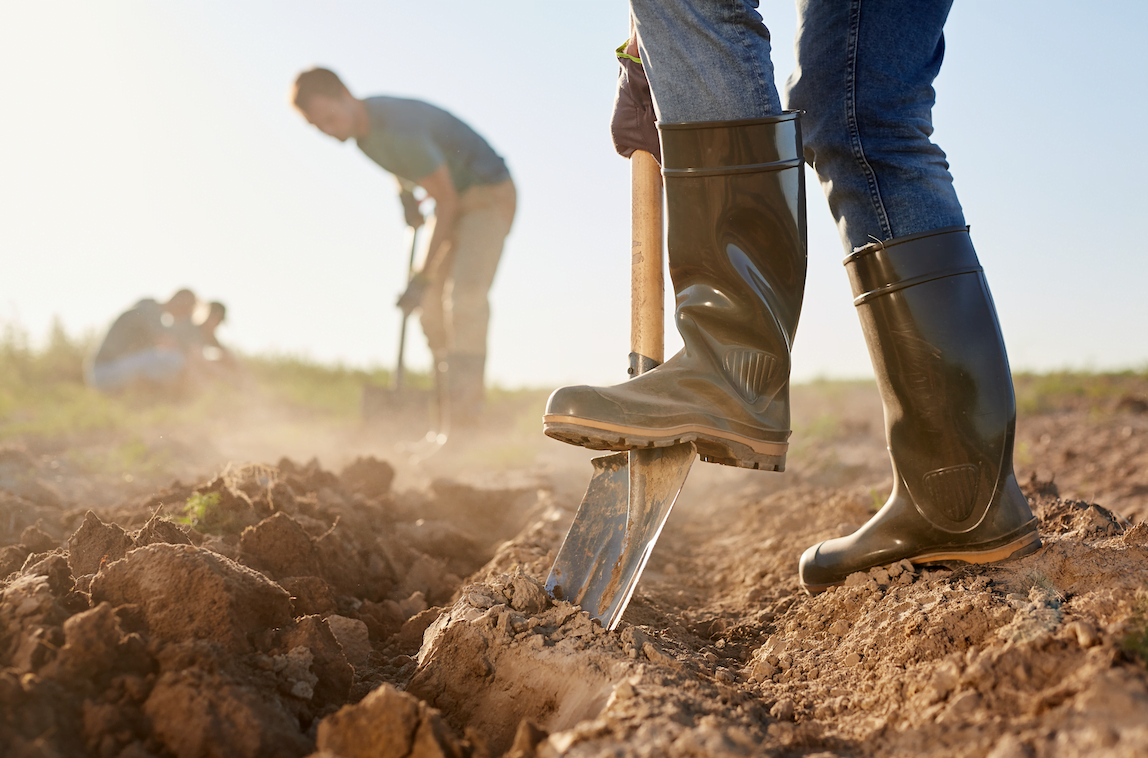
{"points": [[485, 215], [707, 60], [158, 365], [864, 77]]}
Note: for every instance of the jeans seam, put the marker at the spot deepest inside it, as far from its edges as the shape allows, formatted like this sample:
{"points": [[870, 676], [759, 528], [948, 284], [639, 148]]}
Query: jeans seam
{"points": [[747, 50], [852, 120]]}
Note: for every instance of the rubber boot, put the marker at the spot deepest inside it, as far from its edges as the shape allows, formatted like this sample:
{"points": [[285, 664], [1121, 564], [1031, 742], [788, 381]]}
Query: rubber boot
{"points": [[466, 393], [735, 205], [950, 413], [441, 425]]}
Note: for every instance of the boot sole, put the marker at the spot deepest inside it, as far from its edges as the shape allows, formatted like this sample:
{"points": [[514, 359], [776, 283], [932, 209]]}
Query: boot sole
{"points": [[1026, 544], [714, 446]]}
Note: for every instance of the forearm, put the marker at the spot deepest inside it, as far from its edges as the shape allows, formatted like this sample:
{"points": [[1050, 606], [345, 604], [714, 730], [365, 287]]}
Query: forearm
{"points": [[445, 222], [440, 187]]}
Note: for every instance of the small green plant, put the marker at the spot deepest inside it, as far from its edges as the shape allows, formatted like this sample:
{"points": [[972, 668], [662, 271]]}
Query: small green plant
{"points": [[202, 509], [1136, 632]]}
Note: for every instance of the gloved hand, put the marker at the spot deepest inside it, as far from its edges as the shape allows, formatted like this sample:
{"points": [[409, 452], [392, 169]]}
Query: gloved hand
{"points": [[632, 125], [413, 296], [411, 212]]}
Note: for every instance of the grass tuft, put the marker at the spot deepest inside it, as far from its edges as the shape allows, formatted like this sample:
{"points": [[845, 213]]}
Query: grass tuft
{"points": [[201, 508], [1135, 639]]}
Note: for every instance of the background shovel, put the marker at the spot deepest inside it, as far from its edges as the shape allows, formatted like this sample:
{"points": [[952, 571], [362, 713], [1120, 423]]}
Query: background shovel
{"points": [[436, 438], [433, 440], [399, 400], [397, 384], [631, 493], [386, 403]]}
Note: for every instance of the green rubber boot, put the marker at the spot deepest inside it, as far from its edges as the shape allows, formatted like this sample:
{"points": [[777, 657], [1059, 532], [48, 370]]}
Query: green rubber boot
{"points": [[466, 390], [735, 205], [950, 413]]}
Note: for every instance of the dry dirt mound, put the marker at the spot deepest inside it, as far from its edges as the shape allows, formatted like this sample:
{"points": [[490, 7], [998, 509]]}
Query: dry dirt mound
{"points": [[289, 610], [288, 593], [1033, 658]]}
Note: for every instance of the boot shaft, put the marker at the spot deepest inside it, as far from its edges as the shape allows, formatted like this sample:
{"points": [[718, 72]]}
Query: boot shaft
{"points": [[737, 253], [941, 368], [465, 388], [736, 240]]}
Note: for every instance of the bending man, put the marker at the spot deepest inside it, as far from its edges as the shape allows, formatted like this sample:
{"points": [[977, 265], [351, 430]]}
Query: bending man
{"points": [[474, 197]]}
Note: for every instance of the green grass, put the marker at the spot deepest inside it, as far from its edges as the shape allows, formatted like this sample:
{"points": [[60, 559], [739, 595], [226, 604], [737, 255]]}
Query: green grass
{"points": [[203, 512], [1044, 393], [42, 390], [61, 359], [130, 457], [43, 395], [302, 383]]}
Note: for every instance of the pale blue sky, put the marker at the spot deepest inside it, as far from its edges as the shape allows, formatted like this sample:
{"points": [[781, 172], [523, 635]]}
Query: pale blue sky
{"points": [[146, 146]]}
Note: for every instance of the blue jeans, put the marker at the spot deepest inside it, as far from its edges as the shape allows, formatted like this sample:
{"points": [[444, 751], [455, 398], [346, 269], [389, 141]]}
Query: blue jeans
{"points": [[864, 79], [706, 61], [159, 365]]}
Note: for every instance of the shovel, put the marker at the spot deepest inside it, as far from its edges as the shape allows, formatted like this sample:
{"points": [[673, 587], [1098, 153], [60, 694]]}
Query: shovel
{"points": [[433, 440], [384, 402], [631, 493], [397, 385]]}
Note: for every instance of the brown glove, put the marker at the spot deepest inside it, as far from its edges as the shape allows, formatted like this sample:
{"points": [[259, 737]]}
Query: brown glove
{"points": [[413, 296], [411, 211], [632, 125]]}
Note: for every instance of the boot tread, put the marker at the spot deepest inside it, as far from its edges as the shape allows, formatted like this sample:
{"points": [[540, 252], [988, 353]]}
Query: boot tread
{"points": [[714, 446]]}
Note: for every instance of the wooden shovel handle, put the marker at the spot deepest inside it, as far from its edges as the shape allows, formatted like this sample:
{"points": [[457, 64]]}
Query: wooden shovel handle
{"points": [[647, 319]]}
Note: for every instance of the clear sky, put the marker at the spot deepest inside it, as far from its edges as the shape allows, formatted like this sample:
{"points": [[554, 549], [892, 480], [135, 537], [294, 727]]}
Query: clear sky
{"points": [[146, 146]]}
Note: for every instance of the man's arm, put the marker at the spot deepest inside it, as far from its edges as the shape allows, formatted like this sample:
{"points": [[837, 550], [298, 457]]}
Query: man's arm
{"points": [[440, 187]]}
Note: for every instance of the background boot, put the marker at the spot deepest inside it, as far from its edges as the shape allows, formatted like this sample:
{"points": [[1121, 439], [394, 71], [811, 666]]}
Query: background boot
{"points": [[950, 413], [466, 392], [735, 204], [441, 422]]}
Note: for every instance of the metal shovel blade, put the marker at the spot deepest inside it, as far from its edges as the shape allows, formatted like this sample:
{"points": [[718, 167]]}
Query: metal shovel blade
{"points": [[616, 527]]}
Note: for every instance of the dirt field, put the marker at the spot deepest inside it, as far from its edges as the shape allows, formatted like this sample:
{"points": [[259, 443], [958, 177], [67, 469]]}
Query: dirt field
{"points": [[301, 588]]}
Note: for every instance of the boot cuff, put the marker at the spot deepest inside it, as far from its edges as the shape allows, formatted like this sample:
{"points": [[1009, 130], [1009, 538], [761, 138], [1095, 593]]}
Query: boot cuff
{"points": [[884, 267], [705, 147]]}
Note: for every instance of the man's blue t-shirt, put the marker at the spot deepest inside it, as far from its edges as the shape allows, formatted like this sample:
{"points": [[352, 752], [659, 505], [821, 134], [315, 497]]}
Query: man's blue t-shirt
{"points": [[411, 139]]}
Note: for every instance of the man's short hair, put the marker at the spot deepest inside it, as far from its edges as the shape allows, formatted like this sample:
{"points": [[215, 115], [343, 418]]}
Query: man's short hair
{"points": [[182, 302], [217, 309], [314, 82]]}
